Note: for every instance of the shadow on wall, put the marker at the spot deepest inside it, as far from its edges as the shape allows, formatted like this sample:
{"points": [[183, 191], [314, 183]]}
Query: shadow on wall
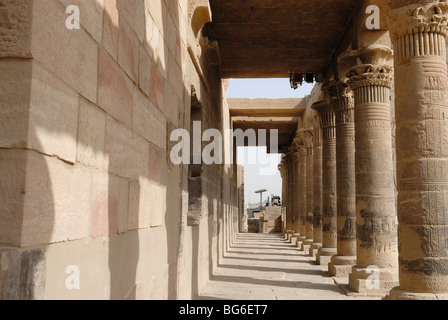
{"points": [[84, 155], [27, 211], [74, 166]]}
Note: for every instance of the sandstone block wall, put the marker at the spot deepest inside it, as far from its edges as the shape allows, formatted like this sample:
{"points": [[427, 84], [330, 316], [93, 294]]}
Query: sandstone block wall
{"points": [[85, 119]]}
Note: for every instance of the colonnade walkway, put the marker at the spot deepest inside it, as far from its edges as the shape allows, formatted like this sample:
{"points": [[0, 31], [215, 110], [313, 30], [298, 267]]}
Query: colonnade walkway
{"points": [[267, 267]]}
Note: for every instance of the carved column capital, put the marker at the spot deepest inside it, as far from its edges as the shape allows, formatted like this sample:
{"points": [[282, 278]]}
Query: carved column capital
{"points": [[342, 97], [292, 154], [375, 67], [410, 18], [370, 75], [326, 118], [418, 29], [282, 168], [372, 78], [308, 140]]}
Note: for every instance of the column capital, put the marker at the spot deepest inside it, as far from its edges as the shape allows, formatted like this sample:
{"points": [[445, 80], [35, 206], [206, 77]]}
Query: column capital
{"points": [[285, 163], [322, 107], [419, 29], [306, 135], [300, 145], [308, 140], [341, 96], [327, 118], [375, 68], [408, 17], [293, 154], [292, 150], [282, 167]]}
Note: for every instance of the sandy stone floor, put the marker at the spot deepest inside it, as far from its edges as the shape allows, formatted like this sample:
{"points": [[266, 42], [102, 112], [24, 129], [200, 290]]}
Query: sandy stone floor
{"points": [[266, 267]]}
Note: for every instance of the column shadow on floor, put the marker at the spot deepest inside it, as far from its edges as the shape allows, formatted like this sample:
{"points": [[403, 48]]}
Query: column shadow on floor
{"points": [[241, 259], [278, 283], [270, 269]]}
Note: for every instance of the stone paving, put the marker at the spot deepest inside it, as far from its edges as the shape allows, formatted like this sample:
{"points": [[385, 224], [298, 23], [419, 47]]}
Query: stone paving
{"points": [[267, 267]]}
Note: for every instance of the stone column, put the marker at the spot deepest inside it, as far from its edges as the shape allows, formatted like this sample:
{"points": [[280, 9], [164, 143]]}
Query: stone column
{"points": [[343, 104], [301, 176], [376, 232], [291, 188], [283, 174], [317, 187], [308, 139], [418, 32], [329, 217], [296, 195]]}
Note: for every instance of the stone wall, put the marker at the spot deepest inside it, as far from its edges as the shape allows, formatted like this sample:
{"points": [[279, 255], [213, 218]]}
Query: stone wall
{"points": [[85, 123], [272, 220]]}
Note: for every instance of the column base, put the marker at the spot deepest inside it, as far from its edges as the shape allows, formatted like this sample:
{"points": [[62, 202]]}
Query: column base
{"points": [[398, 294], [314, 248], [289, 234], [294, 238], [301, 239], [306, 245], [323, 256], [341, 266], [373, 281]]}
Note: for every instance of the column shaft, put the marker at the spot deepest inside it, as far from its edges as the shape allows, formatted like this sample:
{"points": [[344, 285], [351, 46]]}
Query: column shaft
{"points": [[419, 32], [284, 204], [317, 188], [290, 194], [375, 193], [341, 264], [302, 192], [309, 198], [297, 192], [329, 216]]}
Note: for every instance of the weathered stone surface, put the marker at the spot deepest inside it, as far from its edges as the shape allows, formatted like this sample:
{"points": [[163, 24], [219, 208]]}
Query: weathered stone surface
{"points": [[74, 54], [85, 117], [375, 195], [157, 95], [329, 207], [115, 90], [91, 135], [109, 204], [343, 104], [148, 121], [128, 49], [144, 71], [175, 76], [301, 181], [140, 205], [12, 184], [43, 201], [109, 267], [126, 154], [317, 188], [22, 274], [110, 28], [55, 208], [15, 28], [15, 88], [127, 10], [53, 116], [422, 148], [91, 16]]}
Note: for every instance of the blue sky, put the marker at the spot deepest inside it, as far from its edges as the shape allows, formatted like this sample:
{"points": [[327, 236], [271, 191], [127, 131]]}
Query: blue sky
{"points": [[254, 178]]}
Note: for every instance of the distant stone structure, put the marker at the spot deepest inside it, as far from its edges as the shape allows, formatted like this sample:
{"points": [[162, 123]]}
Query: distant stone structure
{"points": [[271, 220]]}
